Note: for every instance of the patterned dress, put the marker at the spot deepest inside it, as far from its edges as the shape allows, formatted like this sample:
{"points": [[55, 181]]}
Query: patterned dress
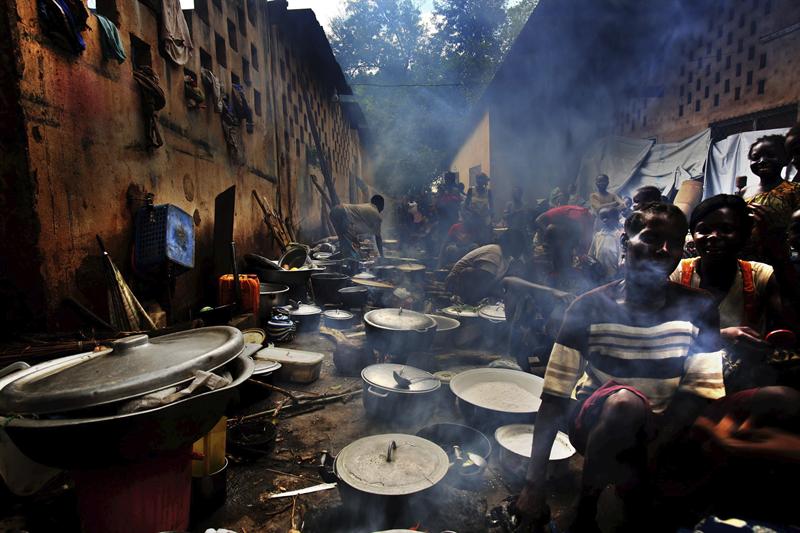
{"points": [[781, 202]]}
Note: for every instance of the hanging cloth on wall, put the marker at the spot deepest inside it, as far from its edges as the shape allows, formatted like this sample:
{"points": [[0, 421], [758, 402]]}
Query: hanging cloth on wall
{"points": [[214, 87], [241, 108], [63, 21], [192, 92], [110, 40], [232, 131], [152, 101], [174, 34]]}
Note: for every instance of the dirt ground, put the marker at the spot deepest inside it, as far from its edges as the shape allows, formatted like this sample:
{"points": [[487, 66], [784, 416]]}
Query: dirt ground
{"points": [[292, 464]]}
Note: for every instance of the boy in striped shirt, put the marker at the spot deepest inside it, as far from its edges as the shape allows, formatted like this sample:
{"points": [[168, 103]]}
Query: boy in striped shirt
{"points": [[641, 355]]}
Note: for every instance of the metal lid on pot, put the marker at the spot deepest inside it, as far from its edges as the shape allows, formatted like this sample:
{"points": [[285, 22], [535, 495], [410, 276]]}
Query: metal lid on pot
{"points": [[337, 314], [410, 267], [460, 311], [136, 366], [392, 465], [382, 376], [494, 313], [399, 319], [302, 310]]}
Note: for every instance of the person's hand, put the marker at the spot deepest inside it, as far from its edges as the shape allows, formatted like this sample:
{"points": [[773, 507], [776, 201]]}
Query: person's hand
{"points": [[531, 507], [741, 439], [747, 338]]}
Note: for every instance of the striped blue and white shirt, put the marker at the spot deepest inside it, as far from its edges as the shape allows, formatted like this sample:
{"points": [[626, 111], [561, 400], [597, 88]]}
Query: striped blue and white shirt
{"points": [[658, 353]]}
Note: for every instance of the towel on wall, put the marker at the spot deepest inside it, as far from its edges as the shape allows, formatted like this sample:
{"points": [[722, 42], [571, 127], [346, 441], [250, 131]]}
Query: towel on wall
{"points": [[174, 32], [110, 40]]}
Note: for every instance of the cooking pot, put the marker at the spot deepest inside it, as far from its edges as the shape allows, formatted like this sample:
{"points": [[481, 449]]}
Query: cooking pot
{"points": [[338, 318], [97, 441], [410, 272], [490, 397], [399, 395], [445, 330], [295, 256], [514, 445], [271, 295], [398, 331], [494, 325], [297, 280], [470, 332], [468, 441], [306, 316], [384, 476], [326, 286], [353, 297]]}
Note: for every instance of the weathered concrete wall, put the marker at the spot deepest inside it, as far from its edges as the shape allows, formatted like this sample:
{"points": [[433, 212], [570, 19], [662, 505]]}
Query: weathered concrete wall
{"points": [[714, 73], [88, 163]]}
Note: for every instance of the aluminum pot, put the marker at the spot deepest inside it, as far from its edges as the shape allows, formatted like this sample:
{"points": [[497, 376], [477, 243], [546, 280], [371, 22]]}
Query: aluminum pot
{"points": [[93, 442], [514, 443], [306, 317], [326, 286], [490, 397], [445, 330], [470, 332], [398, 331], [271, 295], [387, 397], [384, 477], [338, 319]]}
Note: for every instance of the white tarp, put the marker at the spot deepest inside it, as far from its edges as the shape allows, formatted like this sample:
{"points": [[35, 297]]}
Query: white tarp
{"points": [[632, 163], [670, 164], [617, 157], [728, 158]]}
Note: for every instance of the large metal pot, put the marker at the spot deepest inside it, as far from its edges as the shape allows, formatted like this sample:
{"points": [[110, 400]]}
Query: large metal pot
{"points": [[445, 330], [306, 317], [387, 396], [398, 331], [93, 442], [470, 332], [353, 297], [326, 286], [490, 397], [514, 444], [383, 477], [271, 295]]}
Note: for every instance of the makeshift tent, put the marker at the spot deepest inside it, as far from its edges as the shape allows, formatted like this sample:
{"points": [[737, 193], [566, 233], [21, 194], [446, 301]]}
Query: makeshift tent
{"points": [[728, 158], [632, 163]]}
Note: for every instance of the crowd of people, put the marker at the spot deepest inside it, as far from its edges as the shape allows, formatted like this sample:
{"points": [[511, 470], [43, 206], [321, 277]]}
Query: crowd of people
{"points": [[658, 334]]}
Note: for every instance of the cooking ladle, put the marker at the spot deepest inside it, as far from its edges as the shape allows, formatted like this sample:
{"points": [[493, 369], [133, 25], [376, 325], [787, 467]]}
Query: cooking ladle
{"points": [[470, 464]]}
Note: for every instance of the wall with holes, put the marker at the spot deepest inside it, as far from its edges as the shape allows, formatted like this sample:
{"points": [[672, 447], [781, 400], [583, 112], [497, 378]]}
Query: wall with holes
{"points": [[744, 59], [85, 165]]}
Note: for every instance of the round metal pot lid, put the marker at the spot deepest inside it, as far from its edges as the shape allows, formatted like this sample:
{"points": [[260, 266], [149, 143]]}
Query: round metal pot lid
{"points": [[302, 310], [382, 377], [353, 290], [494, 313], [254, 336], [364, 275], [460, 311], [518, 439], [264, 366], [399, 319], [373, 283], [136, 366], [414, 464], [337, 314], [410, 267]]}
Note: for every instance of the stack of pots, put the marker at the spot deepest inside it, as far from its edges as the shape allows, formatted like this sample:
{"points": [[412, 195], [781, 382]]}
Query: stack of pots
{"points": [[271, 295]]}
